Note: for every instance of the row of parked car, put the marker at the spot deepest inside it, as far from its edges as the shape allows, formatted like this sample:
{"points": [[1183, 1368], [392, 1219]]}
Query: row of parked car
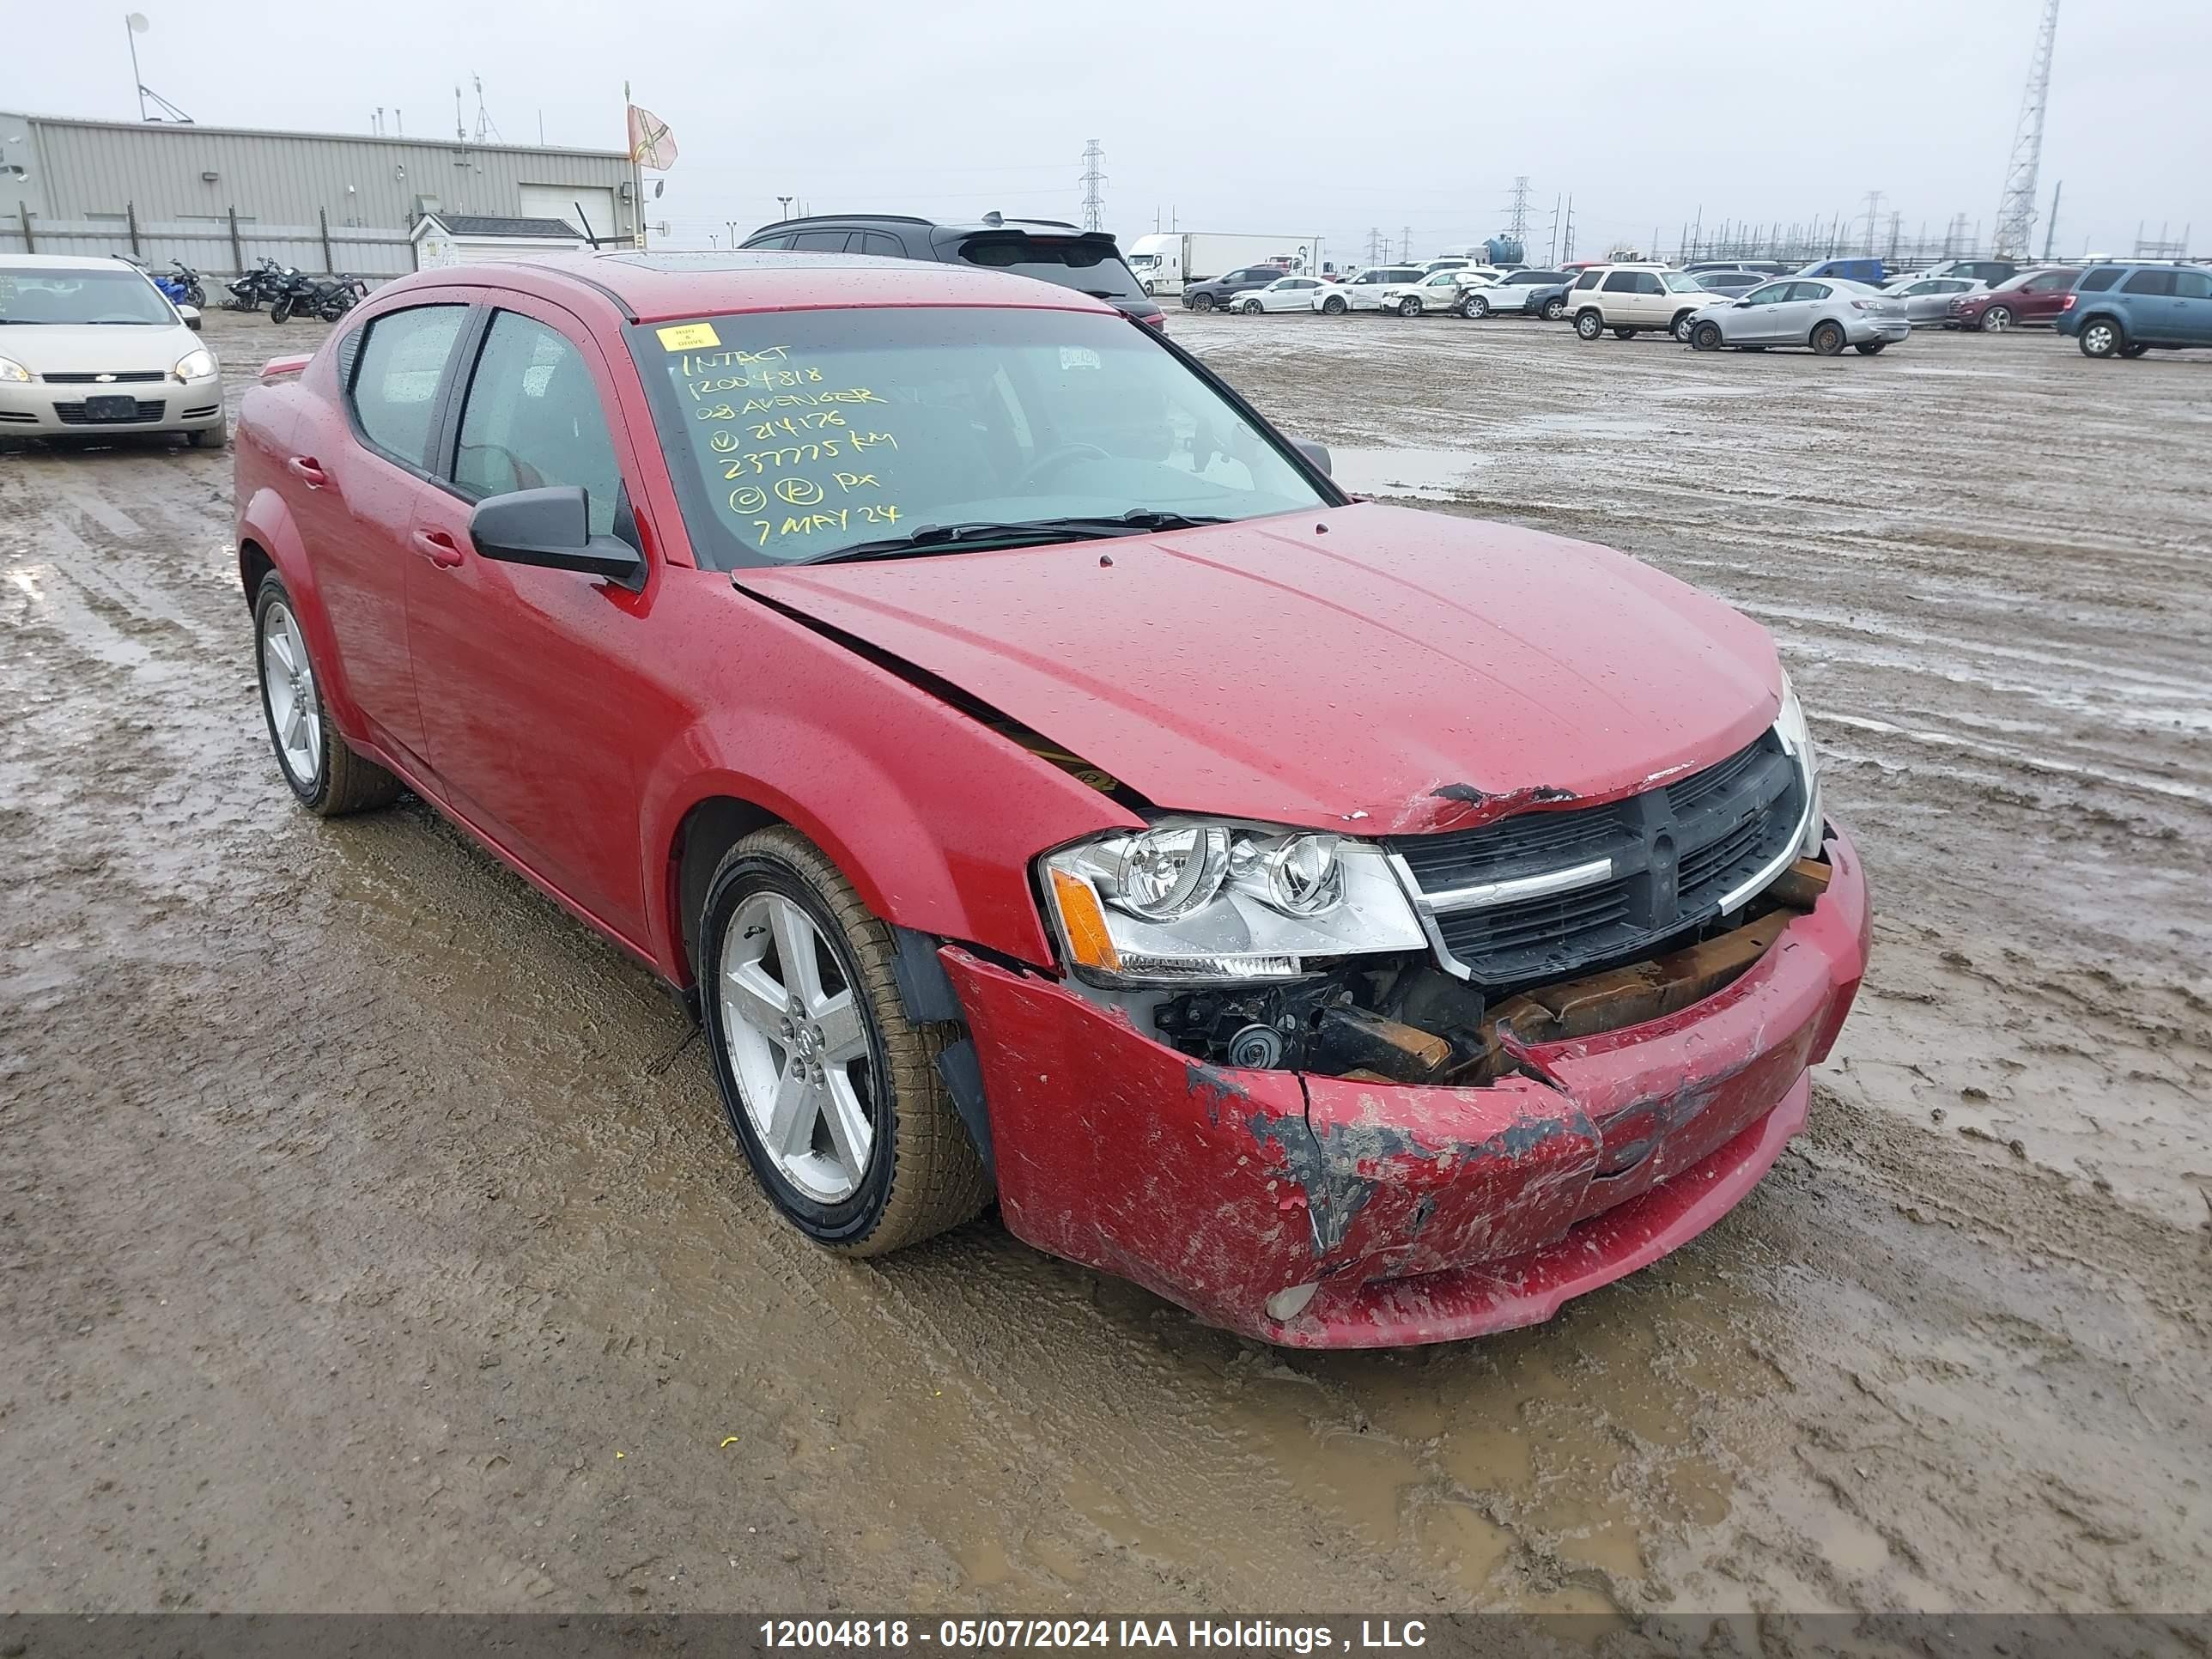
{"points": [[2112, 307]]}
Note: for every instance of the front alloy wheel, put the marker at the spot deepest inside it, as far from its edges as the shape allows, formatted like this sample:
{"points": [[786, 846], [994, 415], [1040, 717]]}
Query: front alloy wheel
{"points": [[1996, 319], [831, 1090], [1590, 325], [1409, 307]]}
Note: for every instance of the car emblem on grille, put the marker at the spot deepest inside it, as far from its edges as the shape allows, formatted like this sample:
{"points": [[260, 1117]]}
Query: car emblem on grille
{"points": [[103, 379]]}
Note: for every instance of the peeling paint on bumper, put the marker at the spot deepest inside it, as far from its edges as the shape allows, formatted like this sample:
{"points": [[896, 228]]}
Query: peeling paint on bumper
{"points": [[1426, 1214]]}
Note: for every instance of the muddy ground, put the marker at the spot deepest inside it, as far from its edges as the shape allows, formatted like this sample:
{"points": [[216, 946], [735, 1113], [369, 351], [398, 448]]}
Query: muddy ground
{"points": [[370, 1238]]}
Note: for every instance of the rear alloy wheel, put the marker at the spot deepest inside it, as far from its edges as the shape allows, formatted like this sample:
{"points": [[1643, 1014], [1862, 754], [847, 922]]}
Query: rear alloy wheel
{"points": [[327, 776], [1590, 325], [1555, 309], [1409, 307], [1706, 336], [831, 1090], [1828, 339], [1250, 308], [1334, 305], [1201, 302], [1996, 319], [2100, 338]]}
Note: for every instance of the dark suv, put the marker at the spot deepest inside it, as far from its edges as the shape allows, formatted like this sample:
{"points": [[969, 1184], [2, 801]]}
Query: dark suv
{"points": [[1051, 250], [1220, 291]]}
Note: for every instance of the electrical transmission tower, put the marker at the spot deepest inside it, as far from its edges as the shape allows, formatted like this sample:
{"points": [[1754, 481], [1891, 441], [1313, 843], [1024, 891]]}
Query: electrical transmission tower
{"points": [[2016, 208], [1094, 205], [1373, 244], [1516, 211]]}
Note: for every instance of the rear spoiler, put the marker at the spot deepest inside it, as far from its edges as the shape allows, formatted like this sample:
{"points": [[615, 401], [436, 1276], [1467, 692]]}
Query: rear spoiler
{"points": [[285, 368]]}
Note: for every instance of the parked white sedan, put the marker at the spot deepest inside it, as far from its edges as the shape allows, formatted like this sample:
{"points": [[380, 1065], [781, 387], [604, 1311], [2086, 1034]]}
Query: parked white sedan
{"points": [[89, 348], [1284, 294]]}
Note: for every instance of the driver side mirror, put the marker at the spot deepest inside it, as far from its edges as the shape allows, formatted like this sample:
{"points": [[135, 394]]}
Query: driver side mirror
{"points": [[191, 316], [1316, 453], [552, 528]]}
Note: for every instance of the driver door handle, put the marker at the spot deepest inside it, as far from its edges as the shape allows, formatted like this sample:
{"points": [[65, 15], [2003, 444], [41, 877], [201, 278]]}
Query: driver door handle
{"points": [[308, 470], [438, 547]]}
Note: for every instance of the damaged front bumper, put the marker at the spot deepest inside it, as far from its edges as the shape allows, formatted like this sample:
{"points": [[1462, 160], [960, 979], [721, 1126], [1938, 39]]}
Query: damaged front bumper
{"points": [[1422, 1213]]}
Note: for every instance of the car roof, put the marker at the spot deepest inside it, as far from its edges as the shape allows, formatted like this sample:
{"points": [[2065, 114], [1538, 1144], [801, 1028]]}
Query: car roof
{"points": [[65, 262], [654, 286], [1002, 222]]}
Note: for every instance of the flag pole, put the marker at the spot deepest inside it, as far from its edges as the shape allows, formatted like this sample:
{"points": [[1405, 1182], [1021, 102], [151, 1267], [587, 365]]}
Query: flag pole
{"points": [[636, 172]]}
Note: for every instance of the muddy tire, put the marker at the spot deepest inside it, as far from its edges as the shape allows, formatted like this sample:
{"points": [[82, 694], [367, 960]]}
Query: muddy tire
{"points": [[1409, 307], [330, 778], [1334, 305], [1996, 319], [1828, 339], [210, 437], [854, 1136], [2100, 338], [1706, 336], [1201, 302], [1872, 347], [1624, 333], [2135, 350], [1590, 325], [1555, 309]]}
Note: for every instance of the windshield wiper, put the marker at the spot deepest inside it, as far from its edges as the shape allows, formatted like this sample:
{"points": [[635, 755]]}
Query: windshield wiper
{"points": [[929, 537]]}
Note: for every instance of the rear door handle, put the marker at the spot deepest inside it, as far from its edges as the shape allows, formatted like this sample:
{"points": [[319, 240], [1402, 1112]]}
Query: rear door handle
{"points": [[438, 547], [308, 470]]}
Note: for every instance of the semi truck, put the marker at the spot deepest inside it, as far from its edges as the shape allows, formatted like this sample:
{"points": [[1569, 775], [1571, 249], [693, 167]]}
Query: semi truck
{"points": [[1165, 260]]}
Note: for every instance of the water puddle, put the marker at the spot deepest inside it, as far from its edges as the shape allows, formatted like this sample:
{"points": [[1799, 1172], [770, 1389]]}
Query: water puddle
{"points": [[1430, 475]]}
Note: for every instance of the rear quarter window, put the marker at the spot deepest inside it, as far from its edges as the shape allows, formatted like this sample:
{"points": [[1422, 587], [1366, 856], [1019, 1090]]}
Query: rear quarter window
{"points": [[1088, 267]]}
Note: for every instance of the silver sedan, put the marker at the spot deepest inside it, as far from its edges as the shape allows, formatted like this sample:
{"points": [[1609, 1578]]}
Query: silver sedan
{"points": [[1826, 313], [1927, 300]]}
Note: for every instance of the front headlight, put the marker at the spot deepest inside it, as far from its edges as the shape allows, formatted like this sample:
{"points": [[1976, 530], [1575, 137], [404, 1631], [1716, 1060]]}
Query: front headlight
{"points": [[195, 365], [1196, 899], [12, 370], [1797, 742]]}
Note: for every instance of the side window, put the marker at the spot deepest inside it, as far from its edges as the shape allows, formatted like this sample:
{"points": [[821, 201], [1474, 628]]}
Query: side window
{"points": [[398, 366], [1648, 282], [2049, 280], [1772, 294], [533, 418], [2148, 282], [1809, 290], [1587, 279], [820, 241], [1621, 282], [874, 241], [2192, 285], [774, 243], [2098, 281]]}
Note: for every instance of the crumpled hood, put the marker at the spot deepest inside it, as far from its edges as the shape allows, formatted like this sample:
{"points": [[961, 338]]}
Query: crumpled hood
{"points": [[95, 348], [1364, 667]]}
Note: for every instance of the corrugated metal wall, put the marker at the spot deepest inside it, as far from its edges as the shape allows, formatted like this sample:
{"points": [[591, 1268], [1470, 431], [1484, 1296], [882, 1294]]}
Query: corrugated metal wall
{"points": [[77, 173]]}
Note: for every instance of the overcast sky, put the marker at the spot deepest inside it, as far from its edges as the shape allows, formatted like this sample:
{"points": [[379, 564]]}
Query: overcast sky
{"points": [[1286, 116]]}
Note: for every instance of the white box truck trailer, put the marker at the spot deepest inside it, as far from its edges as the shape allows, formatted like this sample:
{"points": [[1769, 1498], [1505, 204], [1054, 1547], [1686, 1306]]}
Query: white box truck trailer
{"points": [[1165, 260]]}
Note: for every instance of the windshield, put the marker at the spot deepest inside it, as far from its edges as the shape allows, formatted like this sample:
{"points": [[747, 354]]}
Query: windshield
{"points": [[1089, 267], [1678, 284], [794, 436], [92, 296]]}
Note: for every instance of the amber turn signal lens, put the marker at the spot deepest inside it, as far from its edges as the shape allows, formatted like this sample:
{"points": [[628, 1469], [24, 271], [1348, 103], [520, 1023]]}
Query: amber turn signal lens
{"points": [[1084, 922]]}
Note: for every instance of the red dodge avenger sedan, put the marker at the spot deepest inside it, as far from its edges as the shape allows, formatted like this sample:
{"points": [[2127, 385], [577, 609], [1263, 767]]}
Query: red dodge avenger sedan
{"points": [[1359, 925]]}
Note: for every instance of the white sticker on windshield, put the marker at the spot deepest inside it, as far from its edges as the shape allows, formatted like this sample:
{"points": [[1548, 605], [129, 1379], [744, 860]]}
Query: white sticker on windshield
{"points": [[1077, 357]]}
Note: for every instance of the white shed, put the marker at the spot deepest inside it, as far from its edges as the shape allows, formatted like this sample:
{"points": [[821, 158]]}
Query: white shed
{"points": [[469, 238]]}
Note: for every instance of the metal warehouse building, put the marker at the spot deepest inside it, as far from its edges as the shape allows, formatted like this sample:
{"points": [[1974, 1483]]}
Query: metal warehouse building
{"points": [[220, 197]]}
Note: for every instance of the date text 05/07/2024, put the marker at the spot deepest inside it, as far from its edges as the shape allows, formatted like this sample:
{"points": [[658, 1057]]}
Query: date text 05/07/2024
{"points": [[1109, 1635]]}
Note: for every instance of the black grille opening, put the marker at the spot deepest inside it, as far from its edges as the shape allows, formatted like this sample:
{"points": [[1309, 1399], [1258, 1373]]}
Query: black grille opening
{"points": [[74, 414], [1674, 853]]}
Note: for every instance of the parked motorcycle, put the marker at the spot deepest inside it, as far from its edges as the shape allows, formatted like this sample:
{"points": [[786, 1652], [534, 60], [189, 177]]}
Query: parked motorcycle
{"points": [[250, 289], [327, 298], [192, 290]]}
